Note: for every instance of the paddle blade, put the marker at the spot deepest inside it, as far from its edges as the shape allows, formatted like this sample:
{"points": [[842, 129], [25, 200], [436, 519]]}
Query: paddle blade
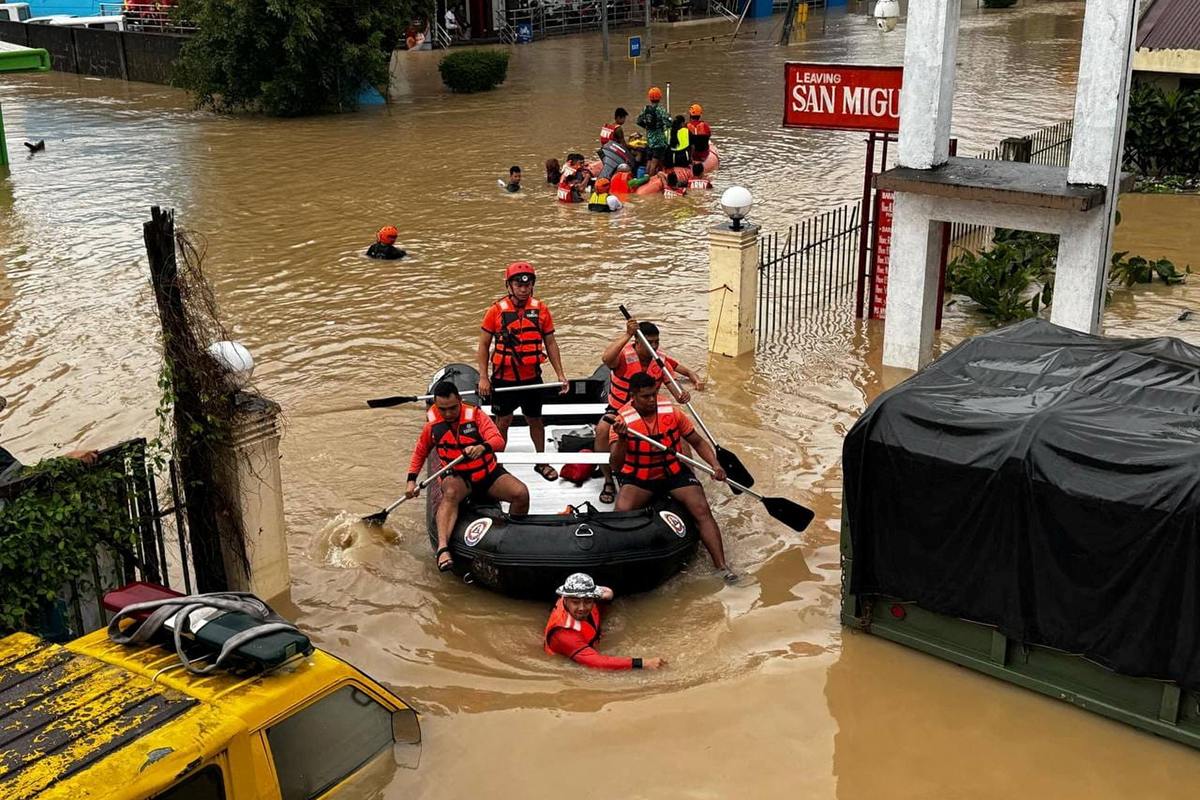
{"points": [[794, 515], [388, 402], [734, 469], [378, 518]]}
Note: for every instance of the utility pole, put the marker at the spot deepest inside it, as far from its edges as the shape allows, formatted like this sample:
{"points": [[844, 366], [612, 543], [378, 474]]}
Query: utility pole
{"points": [[646, 46], [604, 26]]}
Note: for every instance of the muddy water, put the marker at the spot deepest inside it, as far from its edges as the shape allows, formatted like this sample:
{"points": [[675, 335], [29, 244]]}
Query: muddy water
{"points": [[766, 696]]}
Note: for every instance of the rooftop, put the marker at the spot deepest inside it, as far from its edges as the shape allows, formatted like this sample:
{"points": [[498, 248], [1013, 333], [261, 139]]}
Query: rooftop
{"points": [[1170, 25]]}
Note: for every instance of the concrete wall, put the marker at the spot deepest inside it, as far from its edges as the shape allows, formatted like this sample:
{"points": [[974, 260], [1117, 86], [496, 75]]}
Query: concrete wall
{"points": [[146, 57]]}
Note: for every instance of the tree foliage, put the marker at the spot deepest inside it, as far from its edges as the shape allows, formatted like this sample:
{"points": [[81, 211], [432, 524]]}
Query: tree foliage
{"points": [[474, 70], [1162, 133], [288, 57]]}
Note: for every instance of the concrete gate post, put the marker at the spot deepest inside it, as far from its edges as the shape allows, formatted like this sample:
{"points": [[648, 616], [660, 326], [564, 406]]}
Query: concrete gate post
{"points": [[254, 480], [733, 288]]}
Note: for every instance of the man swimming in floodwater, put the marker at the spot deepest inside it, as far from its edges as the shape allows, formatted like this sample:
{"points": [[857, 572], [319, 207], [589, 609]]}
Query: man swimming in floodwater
{"points": [[574, 627]]}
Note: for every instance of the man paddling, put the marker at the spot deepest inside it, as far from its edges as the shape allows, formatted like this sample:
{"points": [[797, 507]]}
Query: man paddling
{"points": [[625, 357], [646, 472], [517, 336], [574, 627], [454, 428]]}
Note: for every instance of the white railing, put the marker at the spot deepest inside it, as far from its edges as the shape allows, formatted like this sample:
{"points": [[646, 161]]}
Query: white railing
{"points": [[716, 9], [148, 17], [441, 36]]}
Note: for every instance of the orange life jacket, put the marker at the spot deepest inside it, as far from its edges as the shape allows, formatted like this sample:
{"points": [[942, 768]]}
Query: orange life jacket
{"points": [[565, 192], [669, 192], [619, 184], [519, 341], [644, 461], [606, 133], [628, 365], [451, 440], [560, 618]]}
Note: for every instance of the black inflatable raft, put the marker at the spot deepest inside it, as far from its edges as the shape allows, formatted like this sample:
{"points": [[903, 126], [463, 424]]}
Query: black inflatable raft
{"points": [[529, 556]]}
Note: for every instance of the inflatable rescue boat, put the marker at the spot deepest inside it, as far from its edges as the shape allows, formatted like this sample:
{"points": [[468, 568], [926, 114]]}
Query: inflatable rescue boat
{"points": [[655, 184], [567, 528]]}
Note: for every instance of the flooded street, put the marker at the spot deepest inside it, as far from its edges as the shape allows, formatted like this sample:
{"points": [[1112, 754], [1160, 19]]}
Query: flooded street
{"points": [[766, 695]]}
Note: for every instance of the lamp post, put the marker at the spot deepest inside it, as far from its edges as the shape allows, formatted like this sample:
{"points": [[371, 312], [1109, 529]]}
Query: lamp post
{"points": [[887, 14], [736, 203]]}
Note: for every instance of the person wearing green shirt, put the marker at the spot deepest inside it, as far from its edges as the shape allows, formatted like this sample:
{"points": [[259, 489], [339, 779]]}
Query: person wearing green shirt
{"points": [[657, 122]]}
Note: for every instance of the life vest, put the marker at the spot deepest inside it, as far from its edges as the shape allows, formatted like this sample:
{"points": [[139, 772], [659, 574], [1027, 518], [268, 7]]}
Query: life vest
{"points": [[566, 193], [561, 619], [681, 140], [699, 183], [644, 461], [628, 365], [606, 133], [619, 184], [598, 202], [669, 192], [519, 340], [700, 134], [451, 440]]}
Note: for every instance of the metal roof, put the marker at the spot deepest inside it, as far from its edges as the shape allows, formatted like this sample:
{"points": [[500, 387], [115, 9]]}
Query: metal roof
{"points": [[1170, 25]]}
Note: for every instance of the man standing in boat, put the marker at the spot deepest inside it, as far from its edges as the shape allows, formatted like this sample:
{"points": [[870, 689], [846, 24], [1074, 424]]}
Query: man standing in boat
{"points": [[452, 429], [574, 627], [646, 472], [657, 123], [626, 357], [517, 336]]}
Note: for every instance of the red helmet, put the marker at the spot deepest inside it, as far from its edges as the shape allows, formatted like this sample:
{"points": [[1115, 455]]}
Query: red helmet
{"points": [[519, 268], [388, 234]]}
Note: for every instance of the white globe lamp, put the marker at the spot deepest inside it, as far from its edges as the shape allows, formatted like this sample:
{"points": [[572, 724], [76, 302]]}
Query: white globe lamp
{"points": [[236, 360], [887, 14], [736, 203]]}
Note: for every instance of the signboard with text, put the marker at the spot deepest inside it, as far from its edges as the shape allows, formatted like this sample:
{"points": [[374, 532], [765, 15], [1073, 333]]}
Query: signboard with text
{"points": [[635, 47], [883, 254], [844, 97]]}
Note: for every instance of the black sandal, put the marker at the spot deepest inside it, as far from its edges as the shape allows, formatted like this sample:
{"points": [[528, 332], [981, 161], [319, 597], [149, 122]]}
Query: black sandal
{"points": [[444, 566], [608, 491], [542, 469]]}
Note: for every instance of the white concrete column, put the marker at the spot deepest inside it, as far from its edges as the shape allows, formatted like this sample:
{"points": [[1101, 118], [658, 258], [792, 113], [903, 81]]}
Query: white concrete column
{"points": [[927, 95], [733, 284], [912, 283], [1084, 249], [255, 481]]}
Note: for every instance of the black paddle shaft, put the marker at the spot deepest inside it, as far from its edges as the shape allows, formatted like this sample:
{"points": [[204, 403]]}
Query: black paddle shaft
{"points": [[729, 461]]}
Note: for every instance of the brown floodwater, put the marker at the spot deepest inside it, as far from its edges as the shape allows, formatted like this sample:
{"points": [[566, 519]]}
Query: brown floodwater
{"points": [[766, 695]]}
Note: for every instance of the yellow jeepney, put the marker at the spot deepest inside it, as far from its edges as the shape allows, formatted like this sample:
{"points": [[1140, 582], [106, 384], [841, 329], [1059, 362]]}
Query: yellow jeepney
{"points": [[93, 719]]}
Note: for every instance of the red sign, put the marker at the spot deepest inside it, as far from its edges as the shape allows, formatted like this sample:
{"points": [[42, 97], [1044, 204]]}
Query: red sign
{"points": [[842, 97], [883, 254]]}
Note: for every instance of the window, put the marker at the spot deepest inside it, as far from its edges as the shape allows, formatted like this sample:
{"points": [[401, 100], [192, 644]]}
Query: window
{"points": [[323, 743], [207, 784]]}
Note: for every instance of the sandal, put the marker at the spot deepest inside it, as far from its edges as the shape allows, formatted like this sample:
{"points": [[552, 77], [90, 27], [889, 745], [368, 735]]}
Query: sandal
{"points": [[448, 564], [609, 493], [546, 471]]}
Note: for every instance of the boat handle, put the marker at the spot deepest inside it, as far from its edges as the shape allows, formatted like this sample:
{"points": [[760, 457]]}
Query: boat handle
{"points": [[584, 530]]}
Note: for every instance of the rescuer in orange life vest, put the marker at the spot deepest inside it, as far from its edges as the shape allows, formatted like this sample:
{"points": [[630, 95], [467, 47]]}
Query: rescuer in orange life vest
{"points": [[522, 331], [574, 627], [625, 357], [646, 472], [454, 428]]}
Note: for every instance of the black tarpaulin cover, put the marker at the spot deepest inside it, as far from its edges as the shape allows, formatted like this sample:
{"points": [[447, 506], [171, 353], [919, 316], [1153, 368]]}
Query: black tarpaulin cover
{"points": [[1046, 482]]}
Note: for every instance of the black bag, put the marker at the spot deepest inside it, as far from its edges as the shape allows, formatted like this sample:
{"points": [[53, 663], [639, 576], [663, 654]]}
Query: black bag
{"points": [[573, 441]]}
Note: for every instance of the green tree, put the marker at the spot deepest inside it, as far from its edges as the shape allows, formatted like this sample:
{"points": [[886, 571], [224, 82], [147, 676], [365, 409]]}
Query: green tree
{"points": [[288, 57]]}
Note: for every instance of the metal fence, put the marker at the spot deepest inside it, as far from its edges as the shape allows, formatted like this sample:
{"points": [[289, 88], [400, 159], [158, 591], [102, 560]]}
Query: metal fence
{"points": [[148, 17], [573, 16], [811, 266], [159, 555]]}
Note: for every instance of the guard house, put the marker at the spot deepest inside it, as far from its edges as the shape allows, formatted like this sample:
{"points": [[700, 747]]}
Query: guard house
{"points": [[1077, 202]]}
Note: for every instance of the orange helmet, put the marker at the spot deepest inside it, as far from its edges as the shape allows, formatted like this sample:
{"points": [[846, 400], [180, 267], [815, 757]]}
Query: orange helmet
{"points": [[519, 268], [602, 184], [696, 110], [655, 93], [388, 234]]}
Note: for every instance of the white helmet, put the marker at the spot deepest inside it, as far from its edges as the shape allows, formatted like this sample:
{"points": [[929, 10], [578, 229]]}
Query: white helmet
{"points": [[579, 585]]}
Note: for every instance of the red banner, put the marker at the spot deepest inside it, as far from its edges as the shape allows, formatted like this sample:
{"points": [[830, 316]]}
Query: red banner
{"points": [[842, 97], [883, 254]]}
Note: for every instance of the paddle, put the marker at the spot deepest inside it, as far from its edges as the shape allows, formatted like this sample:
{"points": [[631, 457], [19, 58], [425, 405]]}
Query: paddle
{"points": [[401, 399], [732, 465], [379, 517], [790, 513]]}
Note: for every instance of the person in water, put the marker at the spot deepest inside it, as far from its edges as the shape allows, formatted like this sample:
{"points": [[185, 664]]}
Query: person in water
{"points": [[681, 154], [517, 336], [698, 181], [601, 200], [619, 185], [611, 129], [673, 187], [452, 429], [514, 179], [574, 627], [553, 171], [699, 133], [614, 154], [647, 473], [625, 357], [385, 244], [657, 124]]}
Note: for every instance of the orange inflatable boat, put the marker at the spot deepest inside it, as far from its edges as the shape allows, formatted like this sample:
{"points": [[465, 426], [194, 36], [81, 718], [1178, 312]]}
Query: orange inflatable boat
{"points": [[655, 184]]}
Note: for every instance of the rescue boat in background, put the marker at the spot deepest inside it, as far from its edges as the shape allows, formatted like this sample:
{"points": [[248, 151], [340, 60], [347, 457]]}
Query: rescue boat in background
{"points": [[529, 556], [655, 184]]}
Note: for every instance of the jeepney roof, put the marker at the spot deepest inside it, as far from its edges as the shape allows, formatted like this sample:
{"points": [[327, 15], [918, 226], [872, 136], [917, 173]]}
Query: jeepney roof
{"points": [[80, 719]]}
